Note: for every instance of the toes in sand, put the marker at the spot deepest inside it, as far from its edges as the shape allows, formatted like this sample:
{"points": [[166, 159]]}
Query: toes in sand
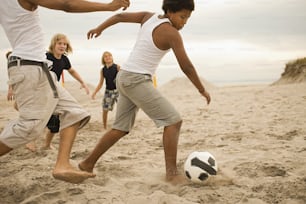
{"points": [[72, 176]]}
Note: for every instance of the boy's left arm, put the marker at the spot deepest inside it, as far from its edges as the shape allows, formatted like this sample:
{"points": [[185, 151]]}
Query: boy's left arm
{"points": [[176, 43]]}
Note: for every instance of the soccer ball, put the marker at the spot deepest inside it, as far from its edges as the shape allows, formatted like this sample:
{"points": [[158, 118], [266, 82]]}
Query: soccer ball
{"points": [[199, 166]]}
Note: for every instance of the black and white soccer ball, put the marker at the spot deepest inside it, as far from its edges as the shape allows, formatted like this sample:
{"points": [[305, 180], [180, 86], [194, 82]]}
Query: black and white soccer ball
{"points": [[199, 166]]}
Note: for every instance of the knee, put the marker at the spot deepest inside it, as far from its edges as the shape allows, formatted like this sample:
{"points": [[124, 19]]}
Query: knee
{"points": [[175, 126], [119, 133], [29, 129], [123, 133], [21, 132], [179, 124]]}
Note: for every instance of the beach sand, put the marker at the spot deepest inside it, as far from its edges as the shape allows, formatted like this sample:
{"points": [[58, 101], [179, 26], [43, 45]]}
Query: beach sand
{"points": [[257, 134]]}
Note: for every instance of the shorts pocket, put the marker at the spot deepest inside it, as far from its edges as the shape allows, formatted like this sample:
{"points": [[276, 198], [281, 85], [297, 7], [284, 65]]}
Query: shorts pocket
{"points": [[133, 80], [15, 79]]}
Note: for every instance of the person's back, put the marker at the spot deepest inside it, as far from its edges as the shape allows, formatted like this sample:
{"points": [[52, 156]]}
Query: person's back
{"points": [[145, 56], [23, 30], [26, 37], [38, 95]]}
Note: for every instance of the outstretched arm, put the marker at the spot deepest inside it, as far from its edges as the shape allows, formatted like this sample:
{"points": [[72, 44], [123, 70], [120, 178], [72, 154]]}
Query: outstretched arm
{"points": [[99, 86], [175, 41], [137, 17], [78, 5], [76, 75]]}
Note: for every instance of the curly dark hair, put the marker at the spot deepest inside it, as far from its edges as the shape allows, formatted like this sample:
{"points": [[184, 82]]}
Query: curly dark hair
{"points": [[177, 5]]}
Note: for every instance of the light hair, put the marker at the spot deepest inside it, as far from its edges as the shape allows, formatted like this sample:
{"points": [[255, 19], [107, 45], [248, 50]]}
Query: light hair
{"points": [[55, 39], [102, 58]]}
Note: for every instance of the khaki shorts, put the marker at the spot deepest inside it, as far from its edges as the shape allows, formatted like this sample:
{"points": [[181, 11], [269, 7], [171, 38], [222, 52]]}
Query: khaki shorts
{"points": [[36, 104], [137, 91]]}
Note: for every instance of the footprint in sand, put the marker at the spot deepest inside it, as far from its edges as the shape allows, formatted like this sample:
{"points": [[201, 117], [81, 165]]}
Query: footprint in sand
{"points": [[253, 170], [54, 196], [273, 171], [287, 136]]}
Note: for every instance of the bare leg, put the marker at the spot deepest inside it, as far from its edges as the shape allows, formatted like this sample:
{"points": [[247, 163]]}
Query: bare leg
{"points": [[48, 141], [4, 149], [63, 169], [106, 141], [105, 118], [170, 141]]}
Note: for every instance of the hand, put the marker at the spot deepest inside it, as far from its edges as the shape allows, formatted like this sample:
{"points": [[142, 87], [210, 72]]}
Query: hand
{"points": [[83, 85], [10, 95], [206, 95], [94, 33], [117, 4]]}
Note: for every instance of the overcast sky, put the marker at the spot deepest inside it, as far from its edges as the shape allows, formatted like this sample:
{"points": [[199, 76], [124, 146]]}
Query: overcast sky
{"points": [[260, 20], [216, 27]]}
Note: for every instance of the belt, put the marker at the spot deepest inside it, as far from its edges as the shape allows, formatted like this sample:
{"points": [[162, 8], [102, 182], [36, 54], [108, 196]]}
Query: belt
{"points": [[17, 61], [24, 62], [112, 91]]}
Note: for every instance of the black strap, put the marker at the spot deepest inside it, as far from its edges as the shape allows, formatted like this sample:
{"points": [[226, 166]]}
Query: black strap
{"points": [[24, 62], [51, 82]]}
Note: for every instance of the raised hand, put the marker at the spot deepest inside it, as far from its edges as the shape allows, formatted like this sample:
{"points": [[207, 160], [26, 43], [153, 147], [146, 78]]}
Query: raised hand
{"points": [[94, 33], [206, 95], [117, 4]]}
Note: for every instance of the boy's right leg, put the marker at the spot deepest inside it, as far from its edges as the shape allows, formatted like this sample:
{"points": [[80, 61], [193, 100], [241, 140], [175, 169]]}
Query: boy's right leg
{"points": [[72, 117], [170, 142], [108, 140], [63, 170]]}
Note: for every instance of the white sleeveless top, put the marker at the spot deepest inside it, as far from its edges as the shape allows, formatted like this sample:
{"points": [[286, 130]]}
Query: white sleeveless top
{"points": [[145, 56], [23, 30]]}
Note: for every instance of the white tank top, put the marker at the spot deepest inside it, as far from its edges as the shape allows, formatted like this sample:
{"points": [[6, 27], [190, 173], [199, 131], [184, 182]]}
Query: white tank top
{"points": [[23, 30], [145, 56]]}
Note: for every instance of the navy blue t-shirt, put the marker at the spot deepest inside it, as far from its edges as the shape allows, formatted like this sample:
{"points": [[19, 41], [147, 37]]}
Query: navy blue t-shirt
{"points": [[59, 64], [110, 74]]}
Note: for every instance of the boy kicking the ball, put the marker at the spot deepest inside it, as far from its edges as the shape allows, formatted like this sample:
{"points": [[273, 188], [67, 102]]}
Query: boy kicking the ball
{"points": [[158, 34]]}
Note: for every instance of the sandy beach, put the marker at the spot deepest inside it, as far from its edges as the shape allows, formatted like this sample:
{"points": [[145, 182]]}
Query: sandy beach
{"points": [[257, 134]]}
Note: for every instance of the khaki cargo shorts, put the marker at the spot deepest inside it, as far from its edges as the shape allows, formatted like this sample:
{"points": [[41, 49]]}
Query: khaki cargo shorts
{"points": [[137, 91], [36, 104]]}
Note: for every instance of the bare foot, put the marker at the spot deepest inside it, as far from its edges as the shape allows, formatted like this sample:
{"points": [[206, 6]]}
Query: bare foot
{"points": [[72, 176], [48, 147], [31, 146], [83, 167], [177, 179]]}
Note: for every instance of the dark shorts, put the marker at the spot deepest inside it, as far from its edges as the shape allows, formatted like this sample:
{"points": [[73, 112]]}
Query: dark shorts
{"points": [[54, 124], [109, 99]]}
